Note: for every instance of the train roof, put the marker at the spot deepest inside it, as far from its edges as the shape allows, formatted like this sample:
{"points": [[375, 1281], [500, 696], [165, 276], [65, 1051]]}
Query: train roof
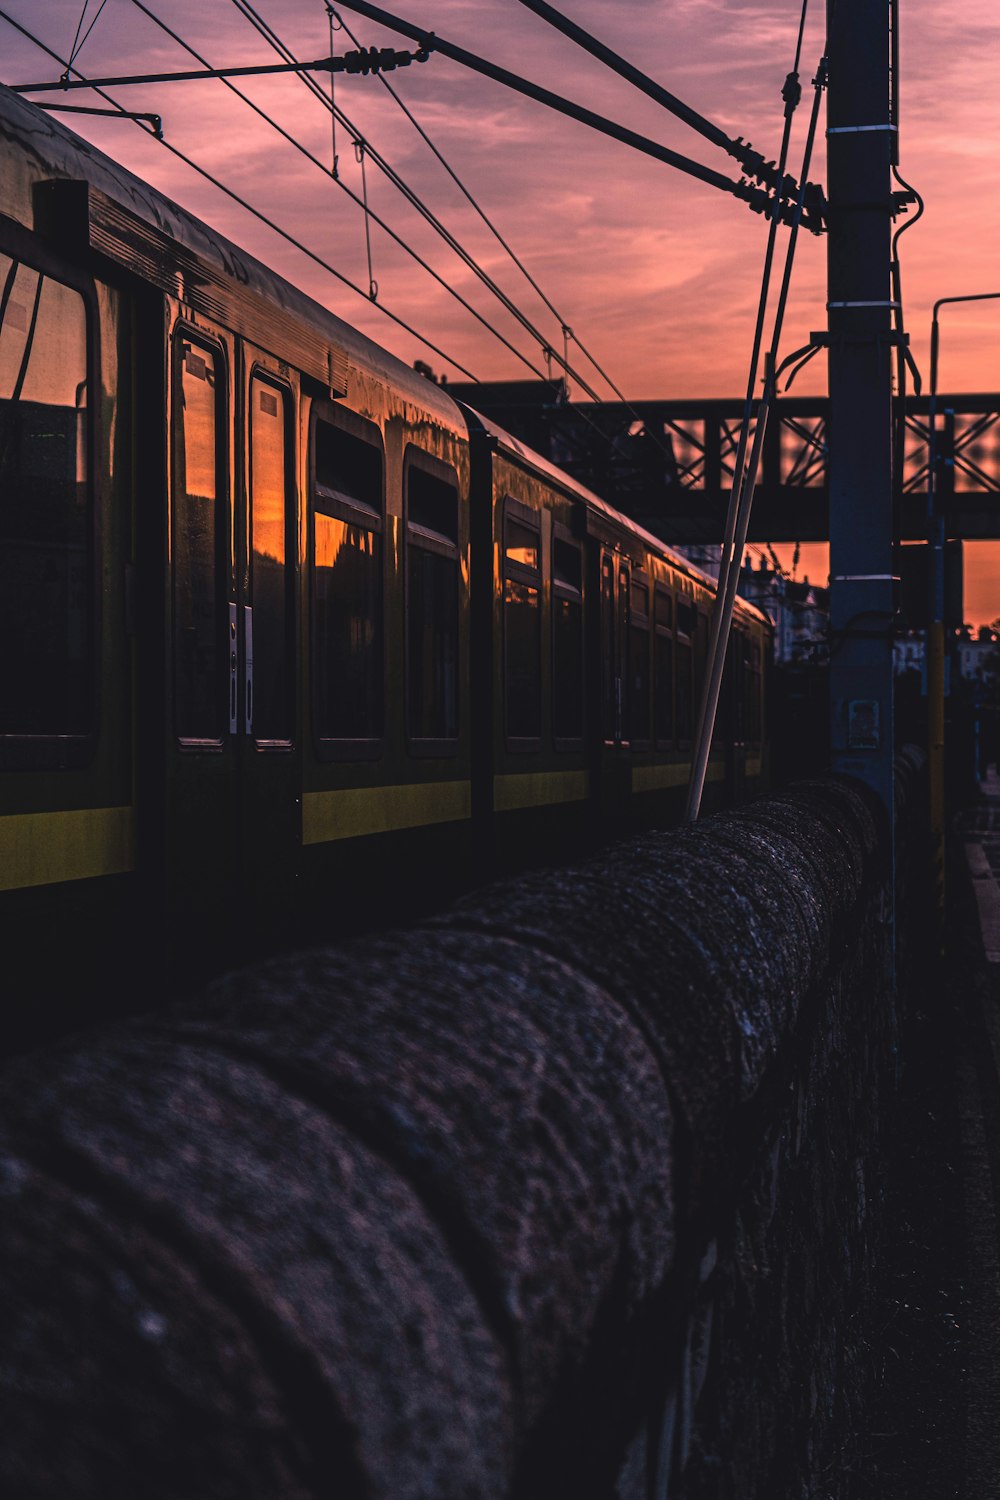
{"points": [[57, 153]]}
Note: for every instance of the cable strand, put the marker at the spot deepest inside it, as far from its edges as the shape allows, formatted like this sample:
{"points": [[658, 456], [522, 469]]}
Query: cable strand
{"points": [[249, 207]]}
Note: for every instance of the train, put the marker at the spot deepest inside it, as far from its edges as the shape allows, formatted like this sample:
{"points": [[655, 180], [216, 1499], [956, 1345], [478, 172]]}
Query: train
{"points": [[285, 627]]}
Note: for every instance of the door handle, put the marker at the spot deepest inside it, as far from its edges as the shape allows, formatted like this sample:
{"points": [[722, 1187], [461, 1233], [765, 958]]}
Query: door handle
{"points": [[233, 662]]}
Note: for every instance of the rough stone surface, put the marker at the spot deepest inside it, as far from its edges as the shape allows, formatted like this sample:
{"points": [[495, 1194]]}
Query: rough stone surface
{"points": [[330, 1266], [516, 1098], [573, 1190]]}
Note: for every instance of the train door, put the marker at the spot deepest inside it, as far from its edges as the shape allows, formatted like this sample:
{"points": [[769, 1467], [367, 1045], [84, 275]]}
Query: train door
{"points": [[615, 778], [200, 827], [231, 764], [263, 621]]}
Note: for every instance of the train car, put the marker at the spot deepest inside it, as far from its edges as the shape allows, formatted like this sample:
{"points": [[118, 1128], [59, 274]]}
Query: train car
{"points": [[596, 635], [285, 628]]}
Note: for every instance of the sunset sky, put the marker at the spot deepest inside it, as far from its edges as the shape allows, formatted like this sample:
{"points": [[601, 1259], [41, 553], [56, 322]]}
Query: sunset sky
{"points": [[657, 274]]}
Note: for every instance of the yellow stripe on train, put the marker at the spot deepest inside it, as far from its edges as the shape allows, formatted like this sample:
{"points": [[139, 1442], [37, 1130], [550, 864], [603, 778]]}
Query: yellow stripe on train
{"points": [[351, 812], [653, 778], [539, 788], [45, 848]]}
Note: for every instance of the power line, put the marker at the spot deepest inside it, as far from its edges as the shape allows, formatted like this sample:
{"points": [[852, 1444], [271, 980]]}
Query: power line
{"points": [[265, 30], [360, 202], [757, 198], [491, 226], [751, 161], [286, 235], [413, 198], [243, 203]]}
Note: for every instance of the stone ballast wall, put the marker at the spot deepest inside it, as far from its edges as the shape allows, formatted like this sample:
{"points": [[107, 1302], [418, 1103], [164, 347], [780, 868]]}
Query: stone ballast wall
{"points": [[569, 1192]]}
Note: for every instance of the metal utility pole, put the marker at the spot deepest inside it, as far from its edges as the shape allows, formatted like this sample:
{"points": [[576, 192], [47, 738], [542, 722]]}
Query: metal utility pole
{"points": [[859, 302]]}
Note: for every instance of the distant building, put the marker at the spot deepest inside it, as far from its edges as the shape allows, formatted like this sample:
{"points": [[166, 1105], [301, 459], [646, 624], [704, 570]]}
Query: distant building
{"points": [[909, 651], [972, 651], [800, 611]]}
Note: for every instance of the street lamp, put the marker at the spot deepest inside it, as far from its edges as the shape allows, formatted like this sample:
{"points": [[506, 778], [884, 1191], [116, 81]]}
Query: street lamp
{"points": [[935, 624]]}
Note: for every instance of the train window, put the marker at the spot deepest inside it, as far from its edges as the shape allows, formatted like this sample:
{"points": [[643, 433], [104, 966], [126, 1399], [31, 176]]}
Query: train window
{"points": [[198, 528], [522, 624], [522, 544], [47, 656], [663, 616], [567, 643], [685, 618], [684, 669], [348, 469], [432, 583], [348, 609], [272, 515], [638, 696]]}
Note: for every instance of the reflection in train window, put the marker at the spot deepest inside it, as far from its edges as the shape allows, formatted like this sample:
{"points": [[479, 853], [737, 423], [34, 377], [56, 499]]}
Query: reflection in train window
{"points": [[567, 643], [46, 569], [272, 508], [347, 586], [522, 623], [432, 581], [198, 529]]}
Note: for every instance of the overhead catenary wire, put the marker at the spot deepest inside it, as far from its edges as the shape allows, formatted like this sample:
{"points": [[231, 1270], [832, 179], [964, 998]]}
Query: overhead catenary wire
{"points": [[248, 11], [264, 29], [757, 198], [334, 158], [791, 94], [249, 207], [475, 204], [78, 44], [751, 161], [275, 41], [361, 202], [744, 480], [270, 35]]}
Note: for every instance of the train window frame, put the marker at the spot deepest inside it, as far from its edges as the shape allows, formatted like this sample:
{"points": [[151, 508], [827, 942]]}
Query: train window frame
{"points": [[351, 511], [516, 513], [426, 539], [72, 751], [642, 623], [562, 536], [663, 638], [224, 560], [261, 372]]}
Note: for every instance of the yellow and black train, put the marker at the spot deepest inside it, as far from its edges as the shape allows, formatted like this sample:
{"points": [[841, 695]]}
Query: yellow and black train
{"points": [[282, 625]]}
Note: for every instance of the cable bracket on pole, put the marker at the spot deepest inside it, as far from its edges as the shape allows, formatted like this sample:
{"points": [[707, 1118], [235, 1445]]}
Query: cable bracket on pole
{"points": [[155, 122], [365, 61]]}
